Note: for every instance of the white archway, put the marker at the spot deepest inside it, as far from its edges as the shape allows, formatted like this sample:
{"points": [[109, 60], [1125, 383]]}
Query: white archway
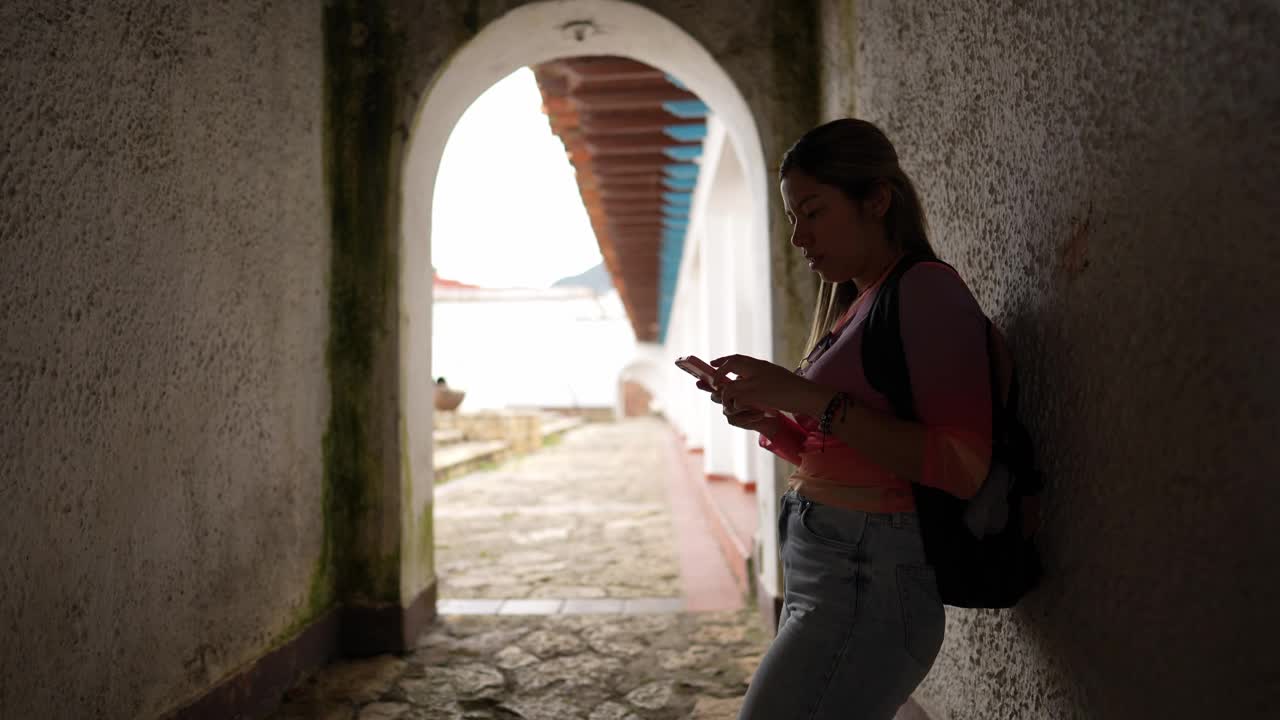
{"points": [[531, 34], [644, 372]]}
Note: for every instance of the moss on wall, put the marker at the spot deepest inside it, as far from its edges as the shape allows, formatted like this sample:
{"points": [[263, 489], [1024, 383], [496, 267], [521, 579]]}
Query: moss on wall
{"points": [[796, 93], [359, 124], [426, 525], [837, 33]]}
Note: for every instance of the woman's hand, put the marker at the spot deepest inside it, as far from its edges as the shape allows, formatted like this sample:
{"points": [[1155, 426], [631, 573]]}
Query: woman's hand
{"points": [[761, 384], [746, 418]]}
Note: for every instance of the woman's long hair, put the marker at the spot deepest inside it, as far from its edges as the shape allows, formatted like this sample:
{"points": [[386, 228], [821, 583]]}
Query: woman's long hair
{"points": [[855, 156]]}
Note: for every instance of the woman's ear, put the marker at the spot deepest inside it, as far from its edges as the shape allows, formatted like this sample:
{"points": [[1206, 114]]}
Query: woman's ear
{"points": [[878, 200]]}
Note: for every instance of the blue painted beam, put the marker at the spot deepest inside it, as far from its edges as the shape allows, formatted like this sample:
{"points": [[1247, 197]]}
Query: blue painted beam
{"points": [[686, 171], [687, 109], [691, 132], [684, 153]]}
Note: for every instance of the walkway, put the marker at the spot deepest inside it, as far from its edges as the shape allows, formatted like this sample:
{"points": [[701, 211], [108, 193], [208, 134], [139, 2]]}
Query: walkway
{"points": [[563, 576], [587, 518]]}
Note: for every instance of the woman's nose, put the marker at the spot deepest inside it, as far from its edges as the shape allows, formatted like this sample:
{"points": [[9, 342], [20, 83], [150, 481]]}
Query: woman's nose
{"points": [[799, 239]]}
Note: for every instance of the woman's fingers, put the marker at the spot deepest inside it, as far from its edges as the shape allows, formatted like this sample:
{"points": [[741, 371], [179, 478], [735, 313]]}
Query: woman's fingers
{"points": [[729, 364], [751, 421], [706, 387], [738, 392], [746, 413]]}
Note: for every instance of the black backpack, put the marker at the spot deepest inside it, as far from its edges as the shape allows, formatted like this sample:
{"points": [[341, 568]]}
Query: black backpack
{"points": [[981, 549]]}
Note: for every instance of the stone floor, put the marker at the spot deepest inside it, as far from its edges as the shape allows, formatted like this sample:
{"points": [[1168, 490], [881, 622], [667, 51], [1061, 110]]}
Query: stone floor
{"points": [[560, 598], [587, 517], [554, 667]]}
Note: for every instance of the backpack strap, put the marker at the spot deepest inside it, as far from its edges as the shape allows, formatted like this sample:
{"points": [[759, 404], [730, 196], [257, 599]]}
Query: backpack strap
{"points": [[884, 362], [990, 571]]}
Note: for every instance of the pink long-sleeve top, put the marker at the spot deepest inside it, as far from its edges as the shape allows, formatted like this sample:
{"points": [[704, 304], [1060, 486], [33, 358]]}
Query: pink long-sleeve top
{"points": [[945, 342]]}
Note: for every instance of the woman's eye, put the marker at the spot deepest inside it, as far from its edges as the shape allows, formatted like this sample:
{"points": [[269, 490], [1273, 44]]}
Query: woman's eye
{"points": [[812, 213]]}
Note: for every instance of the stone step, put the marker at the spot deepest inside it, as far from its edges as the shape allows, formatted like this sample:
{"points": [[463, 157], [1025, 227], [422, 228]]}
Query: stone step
{"points": [[460, 458], [560, 606], [556, 425], [447, 436]]}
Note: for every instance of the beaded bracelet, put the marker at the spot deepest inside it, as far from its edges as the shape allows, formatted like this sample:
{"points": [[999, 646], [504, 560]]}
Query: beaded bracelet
{"points": [[828, 414]]}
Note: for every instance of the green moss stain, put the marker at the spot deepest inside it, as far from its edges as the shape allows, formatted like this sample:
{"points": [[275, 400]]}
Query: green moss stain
{"points": [[471, 17], [359, 121], [838, 55], [794, 42], [426, 542]]}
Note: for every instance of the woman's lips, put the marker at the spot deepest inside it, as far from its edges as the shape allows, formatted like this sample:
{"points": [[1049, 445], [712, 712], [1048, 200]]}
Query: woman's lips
{"points": [[813, 262]]}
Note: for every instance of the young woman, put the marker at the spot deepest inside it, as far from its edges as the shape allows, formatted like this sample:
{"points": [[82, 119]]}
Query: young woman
{"points": [[861, 622]]}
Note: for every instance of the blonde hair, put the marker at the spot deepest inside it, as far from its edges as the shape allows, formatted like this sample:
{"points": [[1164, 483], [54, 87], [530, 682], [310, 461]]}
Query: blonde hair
{"points": [[855, 156]]}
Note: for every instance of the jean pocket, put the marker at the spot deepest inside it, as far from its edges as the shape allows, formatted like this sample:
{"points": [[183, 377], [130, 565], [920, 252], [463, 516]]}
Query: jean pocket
{"points": [[833, 526], [923, 619]]}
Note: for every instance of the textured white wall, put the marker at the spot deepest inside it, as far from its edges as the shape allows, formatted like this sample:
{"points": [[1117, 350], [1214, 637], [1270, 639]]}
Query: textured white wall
{"points": [[1103, 174], [724, 284], [162, 289], [166, 245]]}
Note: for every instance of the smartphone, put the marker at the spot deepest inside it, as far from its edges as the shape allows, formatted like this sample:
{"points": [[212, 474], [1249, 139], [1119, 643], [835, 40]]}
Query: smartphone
{"points": [[698, 368]]}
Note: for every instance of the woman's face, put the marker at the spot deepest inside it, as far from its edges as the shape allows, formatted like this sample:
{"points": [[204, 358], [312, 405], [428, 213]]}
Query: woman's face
{"points": [[841, 238]]}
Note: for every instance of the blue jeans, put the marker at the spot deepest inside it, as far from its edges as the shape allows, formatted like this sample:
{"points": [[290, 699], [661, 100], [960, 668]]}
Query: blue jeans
{"points": [[861, 619]]}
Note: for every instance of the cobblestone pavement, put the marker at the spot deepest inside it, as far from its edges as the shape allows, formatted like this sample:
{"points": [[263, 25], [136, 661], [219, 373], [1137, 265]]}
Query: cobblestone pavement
{"points": [[554, 667], [587, 517], [585, 521]]}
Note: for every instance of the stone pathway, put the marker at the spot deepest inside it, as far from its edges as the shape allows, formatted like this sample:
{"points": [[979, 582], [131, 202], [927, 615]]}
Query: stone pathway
{"points": [[556, 667], [560, 600], [585, 518]]}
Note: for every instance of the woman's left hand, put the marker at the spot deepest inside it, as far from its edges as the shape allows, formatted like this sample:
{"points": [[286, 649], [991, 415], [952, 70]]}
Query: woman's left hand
{"points": [[762, 384]]}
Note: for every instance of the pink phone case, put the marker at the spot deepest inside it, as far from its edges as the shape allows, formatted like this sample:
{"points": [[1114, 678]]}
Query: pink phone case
{"points": [[697, 367]]}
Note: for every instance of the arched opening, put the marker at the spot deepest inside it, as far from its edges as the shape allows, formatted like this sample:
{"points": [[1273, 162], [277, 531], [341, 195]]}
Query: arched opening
{"points": [[529, 35], [639, 385]]}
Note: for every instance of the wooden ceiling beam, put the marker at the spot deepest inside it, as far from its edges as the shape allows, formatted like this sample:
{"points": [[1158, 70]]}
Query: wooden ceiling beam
{"points": [[628, 99], [607, 112], [650, 206], [627, 85], [634, 224], [646, 120], [609, 193], [601, 66], [630, 165], [627, 183], [632, 144]]}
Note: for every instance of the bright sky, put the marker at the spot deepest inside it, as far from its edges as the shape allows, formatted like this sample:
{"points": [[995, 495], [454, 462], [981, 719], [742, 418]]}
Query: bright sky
{"points": [[507, 212]]}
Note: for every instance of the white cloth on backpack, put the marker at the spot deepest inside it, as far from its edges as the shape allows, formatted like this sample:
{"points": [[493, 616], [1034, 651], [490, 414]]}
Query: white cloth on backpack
{"points": [[987, 512]]}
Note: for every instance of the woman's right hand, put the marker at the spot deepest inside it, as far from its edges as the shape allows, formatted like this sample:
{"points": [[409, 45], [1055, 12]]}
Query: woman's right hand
{"points": [[747, 418]]}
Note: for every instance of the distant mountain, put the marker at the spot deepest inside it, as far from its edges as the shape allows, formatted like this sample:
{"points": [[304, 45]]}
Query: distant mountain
{"points": [[597, 278]]}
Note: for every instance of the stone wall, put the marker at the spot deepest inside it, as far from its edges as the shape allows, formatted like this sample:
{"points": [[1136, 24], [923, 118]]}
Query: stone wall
{"points": [[1103, 174], [522, 431], [165, 243]]}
